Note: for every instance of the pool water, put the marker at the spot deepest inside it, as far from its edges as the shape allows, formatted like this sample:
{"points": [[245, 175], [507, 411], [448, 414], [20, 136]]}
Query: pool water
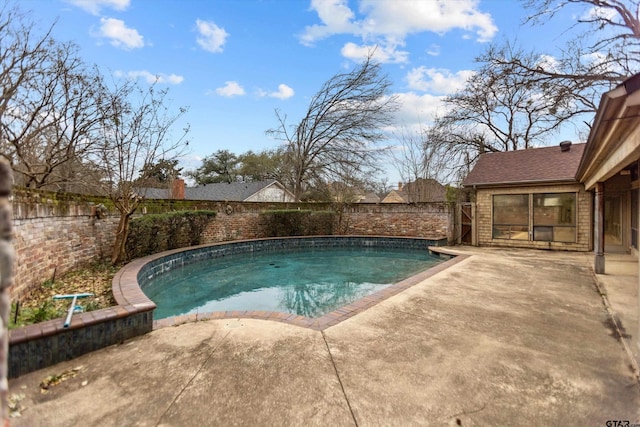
{"points": [[307, 282]]}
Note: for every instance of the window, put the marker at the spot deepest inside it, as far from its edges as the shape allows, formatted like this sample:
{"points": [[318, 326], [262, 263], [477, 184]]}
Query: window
{"points": [[554, 217], [511, 216], [549, 217]]}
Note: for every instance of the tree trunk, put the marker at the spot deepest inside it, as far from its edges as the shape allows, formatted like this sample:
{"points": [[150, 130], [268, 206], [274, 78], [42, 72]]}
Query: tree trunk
{"points": [[118, 255]]}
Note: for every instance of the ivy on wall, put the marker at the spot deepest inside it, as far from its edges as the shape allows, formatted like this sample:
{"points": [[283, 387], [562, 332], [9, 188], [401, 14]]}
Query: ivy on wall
{"points": [[294, 222], [154, 233]]}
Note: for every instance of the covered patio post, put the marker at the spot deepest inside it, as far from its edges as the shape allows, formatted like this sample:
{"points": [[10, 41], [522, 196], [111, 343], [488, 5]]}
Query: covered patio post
{"points": [[598, 235]]}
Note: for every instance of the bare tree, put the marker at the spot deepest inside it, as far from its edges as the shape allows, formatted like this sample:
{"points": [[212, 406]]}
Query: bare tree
{"points": [[611, 30], [135, 131], [344, 120], [50, 104], [603, 53], [498, 110], [419, 161]]}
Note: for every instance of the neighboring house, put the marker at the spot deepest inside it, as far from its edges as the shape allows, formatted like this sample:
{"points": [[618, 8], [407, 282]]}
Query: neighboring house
{"points": [[420, 190], [257, 191], [370, 198], [531, 199], [395, 196]]}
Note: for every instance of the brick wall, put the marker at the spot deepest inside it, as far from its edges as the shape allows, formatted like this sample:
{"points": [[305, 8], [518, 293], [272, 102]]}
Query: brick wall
{"points": [[52, 237], [484, 221], [55, 232]]}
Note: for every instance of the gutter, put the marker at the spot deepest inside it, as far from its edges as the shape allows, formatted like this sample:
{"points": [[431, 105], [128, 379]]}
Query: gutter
{"points": [[522, 183]]}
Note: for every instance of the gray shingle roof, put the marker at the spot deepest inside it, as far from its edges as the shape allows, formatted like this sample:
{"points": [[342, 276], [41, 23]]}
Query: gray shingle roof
{"points": [[235, 191], [153, 193], [535, 165]]}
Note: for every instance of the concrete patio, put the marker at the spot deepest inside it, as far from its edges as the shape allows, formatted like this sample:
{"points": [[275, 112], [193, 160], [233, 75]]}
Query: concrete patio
{"points": [[505, 337]]}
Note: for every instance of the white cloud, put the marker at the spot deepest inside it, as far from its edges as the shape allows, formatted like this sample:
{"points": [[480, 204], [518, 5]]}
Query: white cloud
{"points": [[384, 54], [336, 18], [119, 34], [439, 81], [230, 89], [211, 37], [283, 92], [595, 13], [95, 6], [384, 23], [434, 50], [548, 63], [417, 110], [151, 78]]}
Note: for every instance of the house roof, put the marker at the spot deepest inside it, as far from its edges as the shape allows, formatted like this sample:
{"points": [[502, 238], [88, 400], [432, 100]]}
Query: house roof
{"points": [[394, 196], [235, 191], [613, 131], [370, 198], [424, 190], [535, 165], [154, 193]]}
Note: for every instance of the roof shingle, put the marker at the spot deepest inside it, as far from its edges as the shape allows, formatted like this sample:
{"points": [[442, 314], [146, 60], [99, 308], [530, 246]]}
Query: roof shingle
{"points": [[548, 164]]}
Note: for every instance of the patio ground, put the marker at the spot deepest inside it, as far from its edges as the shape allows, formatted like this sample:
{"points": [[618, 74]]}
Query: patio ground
{"points": [[505, 337]]}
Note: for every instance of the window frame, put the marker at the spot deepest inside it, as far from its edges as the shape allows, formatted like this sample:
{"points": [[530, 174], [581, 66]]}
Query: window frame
{"points": [[536, 230]]}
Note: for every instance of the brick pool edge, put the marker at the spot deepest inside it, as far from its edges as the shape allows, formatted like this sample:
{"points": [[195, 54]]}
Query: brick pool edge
{"points": [[37, 346], [44, 344]]}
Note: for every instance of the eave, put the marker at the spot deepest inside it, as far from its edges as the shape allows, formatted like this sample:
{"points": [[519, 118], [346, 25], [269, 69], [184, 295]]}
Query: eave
{"points": [[614, 141]]}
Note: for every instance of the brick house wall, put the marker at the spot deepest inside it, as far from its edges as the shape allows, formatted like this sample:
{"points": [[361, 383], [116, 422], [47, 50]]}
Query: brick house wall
{"points": [[483, 222]]}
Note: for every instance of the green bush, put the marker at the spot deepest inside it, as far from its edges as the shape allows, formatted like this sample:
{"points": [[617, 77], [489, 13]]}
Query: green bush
{"points": [[47, 310], [154, 233], [294, 222]]}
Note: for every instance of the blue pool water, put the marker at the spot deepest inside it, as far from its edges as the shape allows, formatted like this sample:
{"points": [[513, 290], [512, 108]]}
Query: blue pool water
{"points": [[307, 282]]}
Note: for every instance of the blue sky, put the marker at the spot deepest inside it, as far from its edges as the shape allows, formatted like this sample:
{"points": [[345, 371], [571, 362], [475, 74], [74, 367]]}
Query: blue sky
{"points": [[233, 62]]}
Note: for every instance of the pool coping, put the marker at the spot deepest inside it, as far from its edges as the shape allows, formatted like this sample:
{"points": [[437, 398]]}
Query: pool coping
{"points": [[323, 322]]}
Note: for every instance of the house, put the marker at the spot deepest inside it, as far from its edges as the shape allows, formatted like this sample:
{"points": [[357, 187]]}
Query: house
{"points": [[575, 196], [395, 196], [420, 190], [585, 198], [256, 191], [531, 199]]}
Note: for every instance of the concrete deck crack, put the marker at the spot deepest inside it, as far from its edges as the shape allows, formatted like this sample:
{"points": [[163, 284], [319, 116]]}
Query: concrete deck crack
{"points": [[633, 364], [175, 399], [335, 368]]}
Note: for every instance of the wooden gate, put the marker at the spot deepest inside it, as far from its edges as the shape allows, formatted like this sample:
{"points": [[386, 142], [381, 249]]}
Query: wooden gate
{"points": [[466, 224]]}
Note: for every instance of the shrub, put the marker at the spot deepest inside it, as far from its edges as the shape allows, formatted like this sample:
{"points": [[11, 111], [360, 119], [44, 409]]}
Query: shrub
{"points": [[294, 222], [154, 233]]}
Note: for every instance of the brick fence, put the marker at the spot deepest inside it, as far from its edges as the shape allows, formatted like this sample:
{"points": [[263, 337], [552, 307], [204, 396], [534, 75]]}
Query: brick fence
{"points": [[56, 232]]}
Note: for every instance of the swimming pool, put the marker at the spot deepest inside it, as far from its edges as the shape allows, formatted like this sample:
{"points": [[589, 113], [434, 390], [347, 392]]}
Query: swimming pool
{"points": [[309, 282], [136, 280]]}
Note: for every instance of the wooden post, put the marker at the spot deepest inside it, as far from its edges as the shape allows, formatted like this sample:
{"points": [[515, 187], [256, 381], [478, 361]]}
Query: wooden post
{"points": [[598, 226]]}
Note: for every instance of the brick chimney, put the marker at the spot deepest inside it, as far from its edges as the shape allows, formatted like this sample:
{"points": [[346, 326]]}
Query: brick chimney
{"points": [[400, 186], [177, 189]]}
